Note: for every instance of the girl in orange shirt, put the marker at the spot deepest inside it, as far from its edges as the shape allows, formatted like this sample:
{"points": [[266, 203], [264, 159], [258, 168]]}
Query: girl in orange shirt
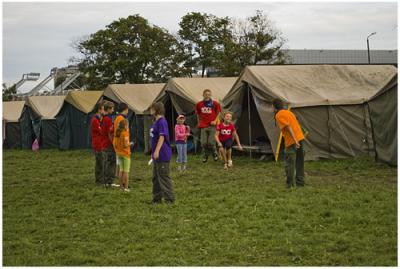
{"points": [[122, 148]]}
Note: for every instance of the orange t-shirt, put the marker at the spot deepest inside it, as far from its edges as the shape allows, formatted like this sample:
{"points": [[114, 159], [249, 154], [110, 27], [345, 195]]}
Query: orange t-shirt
{"points": [[120, 146], [117, 120], [286, 118]]}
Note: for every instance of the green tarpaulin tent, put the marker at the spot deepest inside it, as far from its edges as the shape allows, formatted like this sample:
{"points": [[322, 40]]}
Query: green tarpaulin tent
{"points": [[38, 121], [12, 112], [74, 119], [180, 96], [138, 97]]}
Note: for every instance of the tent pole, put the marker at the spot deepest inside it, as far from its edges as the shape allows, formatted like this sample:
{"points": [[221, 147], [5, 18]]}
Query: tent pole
{"points": [[249, 116]]}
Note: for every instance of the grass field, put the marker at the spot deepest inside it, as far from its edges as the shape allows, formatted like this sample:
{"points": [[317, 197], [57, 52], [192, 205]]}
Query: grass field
{"points": [[54, 215]]}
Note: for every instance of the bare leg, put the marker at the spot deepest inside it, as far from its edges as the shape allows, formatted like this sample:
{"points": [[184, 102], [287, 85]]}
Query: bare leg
{"points": [[229, 154], [121, 179], [125, 177], [224, 157], [222, 152]]}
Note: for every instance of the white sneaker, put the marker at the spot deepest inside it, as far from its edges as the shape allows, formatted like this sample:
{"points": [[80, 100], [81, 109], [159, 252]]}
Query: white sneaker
{"points": [[115, 185], [127, 190], [230, 164]]}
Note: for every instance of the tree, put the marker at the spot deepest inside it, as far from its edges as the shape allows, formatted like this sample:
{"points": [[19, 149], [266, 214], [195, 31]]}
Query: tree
{"points": [[254, 40], [9, 92], [203, 35], [130, 50]]}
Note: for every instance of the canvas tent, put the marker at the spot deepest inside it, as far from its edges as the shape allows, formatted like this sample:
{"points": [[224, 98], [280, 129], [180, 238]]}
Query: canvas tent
{"points": [[38, 121], [180, 96], [138, 97], [347, 110], [74, 119], [12, 111]]}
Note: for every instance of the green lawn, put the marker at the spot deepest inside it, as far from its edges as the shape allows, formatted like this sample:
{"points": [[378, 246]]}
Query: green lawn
{"points": [[54, 215]]}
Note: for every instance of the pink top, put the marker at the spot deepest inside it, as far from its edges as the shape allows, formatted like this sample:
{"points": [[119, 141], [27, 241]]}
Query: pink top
{"points": [[181, 132]]}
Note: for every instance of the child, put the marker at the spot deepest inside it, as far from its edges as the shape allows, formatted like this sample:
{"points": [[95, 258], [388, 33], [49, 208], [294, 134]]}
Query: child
{"points": [[294, 144], [108, 133], [182, 132], [97, 143], [161, 155], [224, 136], [123, 150], [123, 114]]}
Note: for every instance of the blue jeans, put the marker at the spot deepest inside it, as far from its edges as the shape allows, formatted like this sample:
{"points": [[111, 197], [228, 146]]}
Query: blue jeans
{"points": [[182, 153]]}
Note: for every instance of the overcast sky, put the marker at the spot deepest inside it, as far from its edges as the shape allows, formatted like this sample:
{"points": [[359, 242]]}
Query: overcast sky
{"points": [[37, 36]]}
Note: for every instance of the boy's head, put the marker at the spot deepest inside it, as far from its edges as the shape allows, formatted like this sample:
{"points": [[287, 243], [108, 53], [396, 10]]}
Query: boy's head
{"points": [[228, 116], [123, 108], [207, 94], [180, 119], [157, 109], [278, 104], [99, 108], [109, 107]]}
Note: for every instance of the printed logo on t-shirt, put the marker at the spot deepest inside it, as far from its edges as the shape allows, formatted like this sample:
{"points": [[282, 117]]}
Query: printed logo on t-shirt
{"points": [[151, 132], [206, 110], [226, 131]]}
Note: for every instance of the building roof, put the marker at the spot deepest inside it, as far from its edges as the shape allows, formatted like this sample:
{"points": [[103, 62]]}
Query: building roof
{"points": [[298, 56]]}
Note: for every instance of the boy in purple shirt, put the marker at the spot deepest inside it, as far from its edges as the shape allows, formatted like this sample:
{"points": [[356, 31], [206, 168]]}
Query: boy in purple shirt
{"points": [[161, 155]]}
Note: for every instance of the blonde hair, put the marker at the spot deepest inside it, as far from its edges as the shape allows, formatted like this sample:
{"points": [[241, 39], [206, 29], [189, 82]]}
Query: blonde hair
{"points": [[227, 112]]}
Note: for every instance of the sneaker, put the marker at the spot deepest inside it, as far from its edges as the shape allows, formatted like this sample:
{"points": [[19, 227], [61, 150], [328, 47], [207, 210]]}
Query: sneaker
{"points": [[215, 156], [226, 166], [230, 164], [127, 190], [115, 185], [205, 158]]}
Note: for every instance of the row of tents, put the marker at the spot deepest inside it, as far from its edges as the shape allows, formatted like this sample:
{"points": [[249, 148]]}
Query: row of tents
{"points": [[346, 110]]}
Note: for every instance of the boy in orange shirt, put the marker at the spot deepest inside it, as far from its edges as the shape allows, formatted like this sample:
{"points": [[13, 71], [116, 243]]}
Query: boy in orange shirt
{"points": [[294, 143]]}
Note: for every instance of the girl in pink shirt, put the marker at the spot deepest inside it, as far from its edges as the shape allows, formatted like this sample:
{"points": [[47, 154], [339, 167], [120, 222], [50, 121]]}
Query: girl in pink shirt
{"points": [[182, 132]]}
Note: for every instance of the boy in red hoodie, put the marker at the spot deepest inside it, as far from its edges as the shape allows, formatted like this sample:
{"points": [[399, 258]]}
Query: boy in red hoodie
{"points": [[108, 134], [98, 143]]}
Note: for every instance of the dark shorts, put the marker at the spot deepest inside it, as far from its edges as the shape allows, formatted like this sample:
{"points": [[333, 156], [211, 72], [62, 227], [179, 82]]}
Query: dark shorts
{"points": [[227, 144]]}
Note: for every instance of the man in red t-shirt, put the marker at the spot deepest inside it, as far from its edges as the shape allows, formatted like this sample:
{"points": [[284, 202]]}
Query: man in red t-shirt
{"points": [[108, 134], [208, 112], [97, 143]]}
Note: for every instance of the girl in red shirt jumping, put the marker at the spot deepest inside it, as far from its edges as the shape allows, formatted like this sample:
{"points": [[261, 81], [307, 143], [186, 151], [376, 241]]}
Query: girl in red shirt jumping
{"points": [[225, 133]]}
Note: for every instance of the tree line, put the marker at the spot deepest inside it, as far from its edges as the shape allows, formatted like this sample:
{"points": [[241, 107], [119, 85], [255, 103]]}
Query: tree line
{"points": [[131, 50]]}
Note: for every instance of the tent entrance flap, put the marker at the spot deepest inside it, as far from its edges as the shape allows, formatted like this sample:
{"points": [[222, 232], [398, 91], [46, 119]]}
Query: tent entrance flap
{"points": [[257, 140]]}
